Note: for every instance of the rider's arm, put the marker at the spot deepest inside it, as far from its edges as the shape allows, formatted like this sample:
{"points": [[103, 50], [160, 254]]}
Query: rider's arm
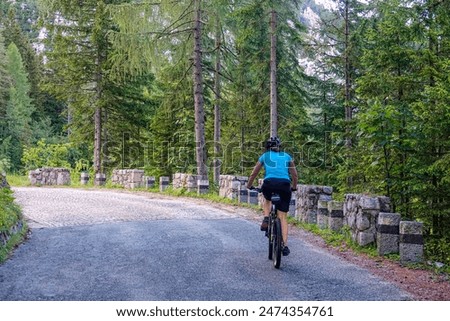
{"points": [[293, 173], [254, 173]]}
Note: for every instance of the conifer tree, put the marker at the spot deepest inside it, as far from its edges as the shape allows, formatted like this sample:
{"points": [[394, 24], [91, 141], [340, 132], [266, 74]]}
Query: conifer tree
{"points": [[5, 84], [4, 78], [14, 34], [20, 107]]}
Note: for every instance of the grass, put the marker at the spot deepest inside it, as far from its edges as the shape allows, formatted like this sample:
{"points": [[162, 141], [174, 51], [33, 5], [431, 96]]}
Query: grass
{"points": [[18, 180]]}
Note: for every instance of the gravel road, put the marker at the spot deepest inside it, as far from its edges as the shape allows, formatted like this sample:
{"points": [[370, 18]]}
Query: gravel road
{"points": [[109, 245]]}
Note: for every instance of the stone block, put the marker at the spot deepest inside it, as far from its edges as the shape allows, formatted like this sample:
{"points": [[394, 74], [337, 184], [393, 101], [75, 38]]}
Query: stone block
{"points": [[411, 253], [369, 203], [388, 233], [149, 181], [100, 179], [252, 197], [411, 242], [243, 194], [84, 178], [327, 190], [191, 186], [136, 176], [325, 197], [409, 227], [362, 221], [292, 206], [387, 243], [364, 238], [163, 183], [311, 216], [322, 214], [389, 219], [335, 223], [202, 186]]}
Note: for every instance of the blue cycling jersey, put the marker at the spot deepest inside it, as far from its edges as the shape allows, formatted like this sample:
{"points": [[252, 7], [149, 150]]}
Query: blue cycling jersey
{"points": [[276, 164]]}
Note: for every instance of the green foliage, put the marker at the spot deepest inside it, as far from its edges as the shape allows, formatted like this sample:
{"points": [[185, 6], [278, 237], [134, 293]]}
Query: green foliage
{"points": [[18, 180], [17, 122], [4, 78], [438, 250], [80, 61], [10, 214], [20, 106], [47, 155], [18, 30], [9, 211]]}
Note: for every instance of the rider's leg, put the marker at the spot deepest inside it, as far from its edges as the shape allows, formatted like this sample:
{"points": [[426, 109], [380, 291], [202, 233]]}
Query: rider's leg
{"points": [[284, 226], [267, 206]]}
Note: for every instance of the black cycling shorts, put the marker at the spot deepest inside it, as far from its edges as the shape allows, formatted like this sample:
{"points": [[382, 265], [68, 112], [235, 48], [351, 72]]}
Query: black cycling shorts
{"points": [[281, 187]]}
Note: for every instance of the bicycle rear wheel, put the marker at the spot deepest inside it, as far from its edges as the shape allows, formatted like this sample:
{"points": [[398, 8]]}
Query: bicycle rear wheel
{"points": [[277, 243], [270, 236]]}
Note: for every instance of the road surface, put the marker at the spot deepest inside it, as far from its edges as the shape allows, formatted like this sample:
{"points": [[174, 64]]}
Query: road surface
{"points": [[102, 245]]}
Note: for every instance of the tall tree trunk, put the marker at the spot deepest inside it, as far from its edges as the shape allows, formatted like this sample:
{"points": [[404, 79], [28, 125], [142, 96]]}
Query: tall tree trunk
{"points": [[98, 117], [97, 140], [347, 90], [217, 115], [273, 75], [348, 107], [198, 95]]}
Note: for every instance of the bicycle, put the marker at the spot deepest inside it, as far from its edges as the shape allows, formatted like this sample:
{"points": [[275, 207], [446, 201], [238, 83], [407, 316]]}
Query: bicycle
{"points": [[273, 232]]}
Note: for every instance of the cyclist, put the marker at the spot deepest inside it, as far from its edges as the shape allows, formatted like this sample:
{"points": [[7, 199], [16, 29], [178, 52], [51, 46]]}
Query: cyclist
{"points": [[279, 168]]}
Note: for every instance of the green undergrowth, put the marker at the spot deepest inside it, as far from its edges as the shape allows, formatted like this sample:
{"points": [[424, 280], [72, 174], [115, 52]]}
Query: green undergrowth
{"points": [[17, 180], [13, 242], [10, 214]]}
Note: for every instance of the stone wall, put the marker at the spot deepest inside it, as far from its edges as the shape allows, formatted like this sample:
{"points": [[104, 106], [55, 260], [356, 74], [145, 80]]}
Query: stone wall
{"points": [[361, 216], [186, 181], [128, 178], [49, 176], [229, 185], [308, 197]]}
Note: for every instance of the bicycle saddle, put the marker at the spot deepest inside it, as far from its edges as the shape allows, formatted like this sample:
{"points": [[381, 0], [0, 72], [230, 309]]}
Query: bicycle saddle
{"points": [[275, 198]]}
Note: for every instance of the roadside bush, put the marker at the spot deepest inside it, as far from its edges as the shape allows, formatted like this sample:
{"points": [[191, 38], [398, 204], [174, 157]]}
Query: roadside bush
{"points": [[9, 212], [47, 155], [438, 250]]}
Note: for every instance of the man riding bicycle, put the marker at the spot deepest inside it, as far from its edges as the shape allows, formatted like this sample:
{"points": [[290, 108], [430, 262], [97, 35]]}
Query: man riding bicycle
{"points": [[279, 168]]}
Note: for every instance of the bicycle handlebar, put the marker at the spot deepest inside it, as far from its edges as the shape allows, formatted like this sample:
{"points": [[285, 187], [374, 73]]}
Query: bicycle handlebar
{"points": [[253, 188]]}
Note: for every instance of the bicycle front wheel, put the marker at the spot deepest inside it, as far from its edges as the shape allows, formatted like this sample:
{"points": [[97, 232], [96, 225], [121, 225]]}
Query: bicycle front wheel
{"points": [[277, 243]]}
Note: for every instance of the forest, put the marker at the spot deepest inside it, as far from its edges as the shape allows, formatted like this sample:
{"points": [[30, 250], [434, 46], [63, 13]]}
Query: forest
{"points": [[359, 92]]}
